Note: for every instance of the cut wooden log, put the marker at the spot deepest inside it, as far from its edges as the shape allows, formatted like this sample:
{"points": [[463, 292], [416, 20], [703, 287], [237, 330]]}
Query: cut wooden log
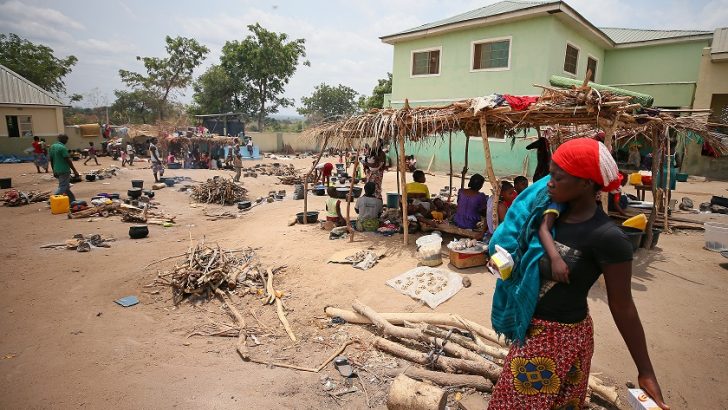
{"points": [[408, 394], [497, 352], [478, 383], [389, 330], [443, 319], [448, 364]]}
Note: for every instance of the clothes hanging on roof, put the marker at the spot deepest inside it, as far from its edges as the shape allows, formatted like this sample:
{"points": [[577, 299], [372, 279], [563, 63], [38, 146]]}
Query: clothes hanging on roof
{"points": [[520, 103], [489, 101]]}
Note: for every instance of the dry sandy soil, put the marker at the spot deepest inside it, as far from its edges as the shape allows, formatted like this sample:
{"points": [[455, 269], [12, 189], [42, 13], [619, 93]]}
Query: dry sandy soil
{"points": [[66, 344]]}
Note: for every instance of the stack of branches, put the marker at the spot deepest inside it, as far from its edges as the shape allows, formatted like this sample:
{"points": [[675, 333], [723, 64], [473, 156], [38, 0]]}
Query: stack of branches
{"points": [[293, 180], [219, 191], [453, 350], [208, 269], [14, 197], [128, 213], [274, 169]]}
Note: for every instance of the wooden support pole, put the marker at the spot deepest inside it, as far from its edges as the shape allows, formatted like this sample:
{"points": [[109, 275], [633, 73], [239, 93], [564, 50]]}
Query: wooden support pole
{"points": [[305, 180], [403, 175], [465, 167], [449, 151], [350, 197], [668, 185], [489, 169], [656, 162]]}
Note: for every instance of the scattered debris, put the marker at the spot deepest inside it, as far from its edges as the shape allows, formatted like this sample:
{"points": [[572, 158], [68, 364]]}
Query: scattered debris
{"points": [[13, 197], [82, 243], [219, 191]]}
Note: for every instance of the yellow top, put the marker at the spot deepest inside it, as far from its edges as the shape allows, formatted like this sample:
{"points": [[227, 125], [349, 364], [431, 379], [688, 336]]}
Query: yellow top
{"points": [[417, 188]]}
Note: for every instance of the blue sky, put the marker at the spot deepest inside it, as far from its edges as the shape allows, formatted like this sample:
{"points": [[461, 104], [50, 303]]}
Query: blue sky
{"points": [[342, 37]]}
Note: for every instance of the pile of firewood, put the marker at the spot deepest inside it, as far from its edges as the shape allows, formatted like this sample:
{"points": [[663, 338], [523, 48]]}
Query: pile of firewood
{"points": [[451, 349], [219, 191], [210, 271], [274, 169], [128, 213], [14, 197], [207, 269]]}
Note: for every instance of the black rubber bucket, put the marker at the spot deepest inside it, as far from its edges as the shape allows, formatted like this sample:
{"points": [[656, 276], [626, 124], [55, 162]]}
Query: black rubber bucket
{"points": [[137, 183], [311, 217], [634, 235], [655, 237]]}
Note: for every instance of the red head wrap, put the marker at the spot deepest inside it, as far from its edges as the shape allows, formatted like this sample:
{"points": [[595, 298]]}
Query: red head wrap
{"points": [[589, 159]]}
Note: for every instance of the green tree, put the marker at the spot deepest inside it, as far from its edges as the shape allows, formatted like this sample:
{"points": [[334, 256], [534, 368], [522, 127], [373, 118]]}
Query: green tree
{"points": [[376, 100], [328, 102], [35, 62], [214, 92], [260, 66], [165, 75], [133, 107]]}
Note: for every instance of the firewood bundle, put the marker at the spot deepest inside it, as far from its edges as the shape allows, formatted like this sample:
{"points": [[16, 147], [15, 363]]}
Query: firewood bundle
{"points": [[291, 180], [219, 191], [209, 268], [14, 197], [274, 169], [457, 351]]}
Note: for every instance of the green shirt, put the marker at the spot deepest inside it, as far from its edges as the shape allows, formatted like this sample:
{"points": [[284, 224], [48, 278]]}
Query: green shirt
{"points": [[58, 154]]}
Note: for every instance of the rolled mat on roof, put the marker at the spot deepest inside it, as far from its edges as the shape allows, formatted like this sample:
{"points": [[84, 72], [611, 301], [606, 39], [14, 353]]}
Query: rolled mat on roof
{"points": [[644, 100]]}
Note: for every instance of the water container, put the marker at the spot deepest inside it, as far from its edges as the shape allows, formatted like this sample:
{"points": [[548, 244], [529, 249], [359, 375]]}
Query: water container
{"points": [[429, 250], [637, 221], [716, 236], [635, 179], [392, 200], [60, 204]]}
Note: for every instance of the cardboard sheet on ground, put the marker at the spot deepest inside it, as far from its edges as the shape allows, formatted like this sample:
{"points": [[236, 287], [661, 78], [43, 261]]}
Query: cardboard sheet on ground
{"points": [[430, 285]]}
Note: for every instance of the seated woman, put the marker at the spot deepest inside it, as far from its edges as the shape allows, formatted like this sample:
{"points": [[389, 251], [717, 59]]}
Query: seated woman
{"points": [[171, 159], [471, 204], [333, 208], [369, 209], [418, 195], [507, 195]]}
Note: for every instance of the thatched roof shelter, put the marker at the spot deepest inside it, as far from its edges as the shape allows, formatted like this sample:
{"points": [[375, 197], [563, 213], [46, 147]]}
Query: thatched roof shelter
{"points": [[583, 106]]}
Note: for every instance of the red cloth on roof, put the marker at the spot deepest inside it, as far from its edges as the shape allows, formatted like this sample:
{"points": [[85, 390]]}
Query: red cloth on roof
{"points": [[519, 103], [589, 159]]}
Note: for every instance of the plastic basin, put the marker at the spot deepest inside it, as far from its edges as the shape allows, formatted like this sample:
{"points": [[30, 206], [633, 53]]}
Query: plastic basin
{"points": [[634, 235], [311, 217], [716, 236]]}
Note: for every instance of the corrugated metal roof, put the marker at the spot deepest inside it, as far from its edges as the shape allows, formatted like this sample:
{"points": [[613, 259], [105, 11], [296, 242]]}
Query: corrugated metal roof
{"points": [[14, 89], [487, 11], [720, 41], [631, 35]]}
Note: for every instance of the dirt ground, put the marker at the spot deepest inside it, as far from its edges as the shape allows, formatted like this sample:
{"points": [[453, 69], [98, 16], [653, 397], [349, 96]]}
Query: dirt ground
{"points": [[65, 343]]}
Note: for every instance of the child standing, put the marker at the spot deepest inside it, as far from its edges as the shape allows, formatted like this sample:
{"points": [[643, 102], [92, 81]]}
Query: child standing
{"points": [[238, 165], [91, 154]]}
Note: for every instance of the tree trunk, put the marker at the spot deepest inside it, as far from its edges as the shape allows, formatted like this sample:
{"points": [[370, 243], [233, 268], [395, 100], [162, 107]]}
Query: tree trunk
{"points": [[408, 394]]}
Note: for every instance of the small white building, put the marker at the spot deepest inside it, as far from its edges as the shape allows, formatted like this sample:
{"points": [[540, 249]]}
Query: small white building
{"points": [[26, 110]]}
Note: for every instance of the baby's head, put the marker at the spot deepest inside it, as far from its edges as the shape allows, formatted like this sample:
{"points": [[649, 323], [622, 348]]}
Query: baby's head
{"points": [[419, 176], [508, 192]]}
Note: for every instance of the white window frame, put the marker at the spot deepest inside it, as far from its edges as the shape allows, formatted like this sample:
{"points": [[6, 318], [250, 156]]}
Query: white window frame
{"points": [[422, 50], [578, 53], [490, 40], [20, 129], [588, 56]]}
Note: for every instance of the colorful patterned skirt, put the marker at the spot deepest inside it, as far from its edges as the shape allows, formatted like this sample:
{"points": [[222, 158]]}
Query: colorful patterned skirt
{"points": [[376, 177], [550, 371]]}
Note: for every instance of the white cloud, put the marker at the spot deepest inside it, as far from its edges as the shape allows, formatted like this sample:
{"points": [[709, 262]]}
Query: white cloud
{"points": [[40, 22], [105, 46]]}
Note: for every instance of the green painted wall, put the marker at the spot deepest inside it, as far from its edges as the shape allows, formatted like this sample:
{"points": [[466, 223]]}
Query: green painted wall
{"points": [[507, 160], [557, 40], [528, 50], [658, 65]]}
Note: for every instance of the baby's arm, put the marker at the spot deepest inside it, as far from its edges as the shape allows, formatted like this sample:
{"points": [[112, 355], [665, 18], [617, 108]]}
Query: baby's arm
{"points": [[559, 269]]}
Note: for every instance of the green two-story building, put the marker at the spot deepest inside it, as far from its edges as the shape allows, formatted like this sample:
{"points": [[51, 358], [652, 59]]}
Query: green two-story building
{"points": [[509, 46]]}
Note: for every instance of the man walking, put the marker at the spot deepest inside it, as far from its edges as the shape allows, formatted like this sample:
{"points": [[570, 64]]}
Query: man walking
{"points": [[62, 166], [157, 165], [130, 152]]}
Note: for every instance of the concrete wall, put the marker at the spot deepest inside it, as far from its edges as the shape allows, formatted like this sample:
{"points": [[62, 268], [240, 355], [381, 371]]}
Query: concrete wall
{"points": [[47, 123], [274, 141], [697, 164], [559, 35], [529, 48], [712, 79], [668, 72], [507, 160]]}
